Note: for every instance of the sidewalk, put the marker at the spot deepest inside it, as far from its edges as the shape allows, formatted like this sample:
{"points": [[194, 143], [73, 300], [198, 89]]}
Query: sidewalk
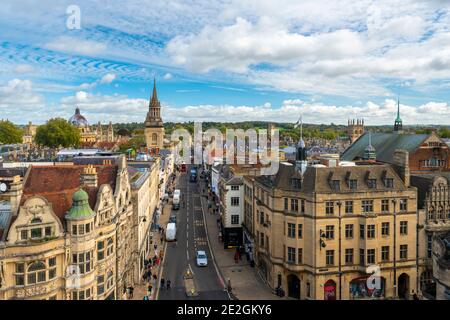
{"points": [[245, 282], [140, 290]]}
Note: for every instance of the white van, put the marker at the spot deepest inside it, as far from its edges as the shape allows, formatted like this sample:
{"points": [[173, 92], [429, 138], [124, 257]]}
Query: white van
{"points": [[171, 232]]}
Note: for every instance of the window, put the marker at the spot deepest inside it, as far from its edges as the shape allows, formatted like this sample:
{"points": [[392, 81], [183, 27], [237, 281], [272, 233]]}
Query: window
{"points": [[335, 185], [52, 268], [353, 184], [385, 253], [371, 256], [20, 274], [294, 205], [348, 206], [48, 231], [300, 255], [361, 231], [385, 205], [367, 206], [403, 204], [83, 261], [88, 227], [235, 188], [110, 280], [403, 227], [291, 230], [329, 260], [234, 219], [372, 183], [349, 231], [389, 183], [74, 229], [110, 248], [308, 289], [261, 239], [261, 217], [371, 231], [100, 285], [329, 207], [36, 233], [291, 255], [81, 229], [329, 232], [286, 204], [296, 183], [100, 250], [349, 256], [302, 206], [300, 231], [403, 251], [36, 273], [235, 201], [362, 257], [385, 228], [429, 245], [24, 234]]}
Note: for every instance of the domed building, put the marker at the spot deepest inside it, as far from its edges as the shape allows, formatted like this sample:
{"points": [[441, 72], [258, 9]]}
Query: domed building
{"points": [[90, 135]]}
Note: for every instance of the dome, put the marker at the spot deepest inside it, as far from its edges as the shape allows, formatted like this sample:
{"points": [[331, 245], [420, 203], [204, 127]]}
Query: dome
{"points": [[80, 206], [78, 120]]}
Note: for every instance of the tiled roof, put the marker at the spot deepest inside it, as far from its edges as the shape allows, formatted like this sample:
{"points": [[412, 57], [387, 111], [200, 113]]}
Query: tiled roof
{"points": [[385, 145], [58, 183]]}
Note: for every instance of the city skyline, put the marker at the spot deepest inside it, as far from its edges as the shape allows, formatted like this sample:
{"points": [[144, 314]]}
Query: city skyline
{"points": [[227, 62]]}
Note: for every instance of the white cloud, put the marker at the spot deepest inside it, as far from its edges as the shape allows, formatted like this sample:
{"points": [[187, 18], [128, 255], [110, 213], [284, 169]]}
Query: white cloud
{"points": [[167, 76], [76, 46], [23, 68], [108, 78]]}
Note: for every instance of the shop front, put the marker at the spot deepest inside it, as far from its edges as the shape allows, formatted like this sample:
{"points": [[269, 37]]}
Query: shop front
{"points": [[367, 288]]}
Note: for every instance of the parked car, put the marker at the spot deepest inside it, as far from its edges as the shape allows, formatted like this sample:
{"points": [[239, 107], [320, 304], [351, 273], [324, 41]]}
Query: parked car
{"points": [[201, 258]]}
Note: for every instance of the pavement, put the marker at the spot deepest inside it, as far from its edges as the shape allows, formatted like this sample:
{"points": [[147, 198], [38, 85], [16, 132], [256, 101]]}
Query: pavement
{"points": [[245, 281]]}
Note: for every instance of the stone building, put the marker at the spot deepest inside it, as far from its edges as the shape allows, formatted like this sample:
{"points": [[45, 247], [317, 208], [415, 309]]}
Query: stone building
{"points": [[441, 265], [29, 133], [90, 135], [321, 234], [355, 129], [154, 127], [71, 236]]}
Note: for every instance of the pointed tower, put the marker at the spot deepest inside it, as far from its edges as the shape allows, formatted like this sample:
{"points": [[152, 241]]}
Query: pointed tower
{"points": [[110, 137], [398, 126], [369, 151], [154, 126], [301, 161]]}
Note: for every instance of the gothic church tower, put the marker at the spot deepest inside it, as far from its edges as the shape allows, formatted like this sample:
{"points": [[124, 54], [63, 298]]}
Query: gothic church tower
{"points": [[154, 127]]}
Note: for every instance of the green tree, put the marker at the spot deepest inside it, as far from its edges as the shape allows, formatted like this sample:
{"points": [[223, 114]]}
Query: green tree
{"points": [[444, 132], [57, 133], [9, 133]]}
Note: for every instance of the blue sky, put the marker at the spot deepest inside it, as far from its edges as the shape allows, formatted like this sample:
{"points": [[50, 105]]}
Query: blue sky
{"points": [[227, 60]]}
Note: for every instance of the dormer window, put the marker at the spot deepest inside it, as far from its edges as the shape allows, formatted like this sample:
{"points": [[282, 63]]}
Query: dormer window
{"points": [[389, 183], [36, 220], [353, 184], [372, 183], [335, 185], [296, 183]]}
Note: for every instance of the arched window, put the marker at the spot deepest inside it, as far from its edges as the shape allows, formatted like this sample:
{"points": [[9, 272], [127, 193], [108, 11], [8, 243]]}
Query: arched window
{"points": [[110, 280], [36, 273], [36, 220], [154, 137]]}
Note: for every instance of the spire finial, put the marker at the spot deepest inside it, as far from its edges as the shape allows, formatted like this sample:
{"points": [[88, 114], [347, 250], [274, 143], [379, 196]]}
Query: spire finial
{"points": [[154, 96]]}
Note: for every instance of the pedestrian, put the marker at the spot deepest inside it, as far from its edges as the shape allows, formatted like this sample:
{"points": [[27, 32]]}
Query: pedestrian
{"points": [[236, 258], [155, 277], [155, 246], [149, 290], [168, 284], [162, 283], [131, 292]]}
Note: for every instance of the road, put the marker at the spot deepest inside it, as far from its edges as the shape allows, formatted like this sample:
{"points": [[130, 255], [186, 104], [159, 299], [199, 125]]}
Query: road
{"points": [[191, 236]]}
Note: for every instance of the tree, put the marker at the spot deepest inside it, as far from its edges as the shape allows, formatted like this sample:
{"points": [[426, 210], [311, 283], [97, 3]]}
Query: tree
{"points": [[444, 132], [57, 133], [9, 133]]}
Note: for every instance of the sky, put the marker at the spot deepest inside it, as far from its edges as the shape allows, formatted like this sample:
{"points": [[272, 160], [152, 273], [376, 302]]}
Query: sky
{"points": [[233, 60]]}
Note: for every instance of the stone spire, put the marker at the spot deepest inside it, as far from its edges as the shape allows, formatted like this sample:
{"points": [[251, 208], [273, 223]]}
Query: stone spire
{"points": [[154, 100], [154, 110]]}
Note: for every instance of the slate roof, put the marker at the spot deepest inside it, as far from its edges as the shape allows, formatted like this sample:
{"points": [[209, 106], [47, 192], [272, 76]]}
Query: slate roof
{"points": [[385, 145], [58, 183], [317, 179]]}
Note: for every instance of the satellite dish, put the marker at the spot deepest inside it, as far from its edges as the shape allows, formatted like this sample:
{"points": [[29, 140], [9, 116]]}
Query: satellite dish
{"points": [[3, 187]]}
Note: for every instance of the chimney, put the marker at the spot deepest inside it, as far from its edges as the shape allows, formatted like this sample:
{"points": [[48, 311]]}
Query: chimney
{"points": [[401, 165], [89, 176], [15, 191]]}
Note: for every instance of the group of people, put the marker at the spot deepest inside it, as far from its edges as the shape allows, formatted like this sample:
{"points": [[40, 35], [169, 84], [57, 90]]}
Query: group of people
{"points": [[165, 284]]}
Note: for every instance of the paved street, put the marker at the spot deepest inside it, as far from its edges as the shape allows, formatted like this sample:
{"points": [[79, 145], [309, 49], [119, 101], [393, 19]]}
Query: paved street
{"points": [[191, 236]]}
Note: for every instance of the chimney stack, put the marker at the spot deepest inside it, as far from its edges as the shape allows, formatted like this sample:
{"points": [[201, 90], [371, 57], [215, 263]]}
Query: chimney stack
{"points": [[401, 165], [89, 176]]}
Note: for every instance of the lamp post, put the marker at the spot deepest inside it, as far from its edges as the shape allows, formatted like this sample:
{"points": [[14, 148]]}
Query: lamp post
{"points": [[339, 203], [394, 202]]}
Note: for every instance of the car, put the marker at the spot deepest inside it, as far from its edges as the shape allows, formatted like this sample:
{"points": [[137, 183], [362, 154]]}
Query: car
{"points": [[173, 219], [201, 258]]}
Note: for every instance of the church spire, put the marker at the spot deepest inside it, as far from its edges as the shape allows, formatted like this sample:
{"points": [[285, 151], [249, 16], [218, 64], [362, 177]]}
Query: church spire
{"points": [[398, 126], [154, 100]]}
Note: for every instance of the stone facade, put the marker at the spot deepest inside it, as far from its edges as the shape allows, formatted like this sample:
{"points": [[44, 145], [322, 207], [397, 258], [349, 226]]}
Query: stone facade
{"points": [[321, 234]]}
